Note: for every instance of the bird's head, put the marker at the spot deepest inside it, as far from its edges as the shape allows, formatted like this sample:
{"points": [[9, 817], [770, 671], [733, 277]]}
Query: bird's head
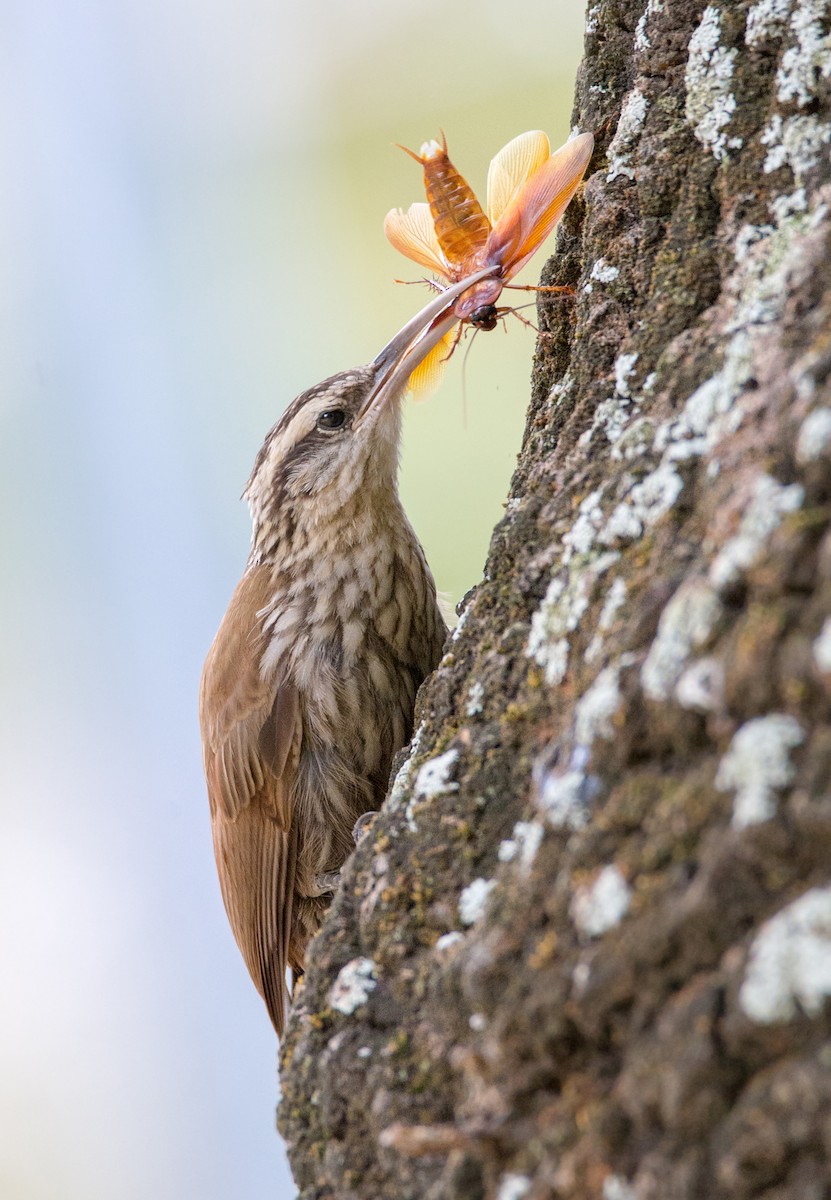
{"points": [[340, 438]]}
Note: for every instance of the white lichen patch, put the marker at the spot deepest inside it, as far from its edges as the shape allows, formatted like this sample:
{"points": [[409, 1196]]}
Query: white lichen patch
{"points": [[592, 19], [460, 624], [602, 904], [475, 696], [642, 41], [565, 799], [633, 437], [623, 525], [513, 1187], [613, 419], [814, 437], [433, 777], [764, 283], [522, 846], [701, 686], [614, 601], [581, 973], [400, 792], [789, 966], [595, 711], [713, 412], [709, 77], [706, 415], [770, 503], [432, 780], [563, 387], [644, 506], [757, 765], [624, 366], [474, 899], [353, 985], [579, 539], [686, 623], [783, 207], [747, 237], [559, 614], [822, 647], [604, 272], [809, 58], [552, 656], [615, 1187], [765, 255], [448, 940], [627, 135], [766, 20], [796, 142]]}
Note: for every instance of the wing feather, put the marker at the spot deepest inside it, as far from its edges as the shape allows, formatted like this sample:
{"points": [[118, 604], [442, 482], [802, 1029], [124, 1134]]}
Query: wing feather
{"points": [[252, 850], [251, 732]]}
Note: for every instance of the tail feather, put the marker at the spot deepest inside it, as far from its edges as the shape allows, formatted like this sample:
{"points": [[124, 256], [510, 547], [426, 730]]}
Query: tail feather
{"points": [[257, 865]]}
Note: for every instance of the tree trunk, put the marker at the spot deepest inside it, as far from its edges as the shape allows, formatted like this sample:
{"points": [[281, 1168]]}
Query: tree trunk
{"points": [[585, 951]]}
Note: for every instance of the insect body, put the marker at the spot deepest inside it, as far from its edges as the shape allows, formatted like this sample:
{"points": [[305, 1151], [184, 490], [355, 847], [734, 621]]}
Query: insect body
{"points": [[528, 190], [461, 226]]}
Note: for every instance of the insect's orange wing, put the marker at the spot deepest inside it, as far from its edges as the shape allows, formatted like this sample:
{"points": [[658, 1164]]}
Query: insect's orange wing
{"points": [[413, 234], [538, 205]]}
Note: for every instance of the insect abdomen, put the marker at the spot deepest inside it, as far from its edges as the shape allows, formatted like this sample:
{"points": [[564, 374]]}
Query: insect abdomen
{"points": [[461, 226]]}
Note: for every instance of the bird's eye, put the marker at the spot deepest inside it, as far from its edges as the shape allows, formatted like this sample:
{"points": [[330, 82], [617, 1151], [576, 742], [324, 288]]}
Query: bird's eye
{"points": [[333, 418]]}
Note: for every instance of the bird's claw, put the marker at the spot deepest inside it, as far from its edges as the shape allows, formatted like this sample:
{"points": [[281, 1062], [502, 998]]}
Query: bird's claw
{"points": [[362, 826], [327, 882]]}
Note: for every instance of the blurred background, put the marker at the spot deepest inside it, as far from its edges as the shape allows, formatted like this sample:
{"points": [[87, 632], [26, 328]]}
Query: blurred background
{"points": [[191, 200]]}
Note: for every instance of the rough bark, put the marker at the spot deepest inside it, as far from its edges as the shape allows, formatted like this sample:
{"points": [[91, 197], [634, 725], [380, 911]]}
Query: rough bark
{"points": [[586, 949]]}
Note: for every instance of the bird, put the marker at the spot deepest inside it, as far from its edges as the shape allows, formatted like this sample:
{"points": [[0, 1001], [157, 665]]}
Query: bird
{"points": [[308, 689]]}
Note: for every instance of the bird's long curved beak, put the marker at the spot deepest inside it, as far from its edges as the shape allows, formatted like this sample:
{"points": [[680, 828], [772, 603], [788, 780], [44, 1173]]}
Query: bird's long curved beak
{"points": [[413, 343]]}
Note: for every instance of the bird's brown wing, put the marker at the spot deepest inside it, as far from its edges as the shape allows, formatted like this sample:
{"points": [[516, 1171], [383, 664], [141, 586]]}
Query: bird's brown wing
{"points": [[251, 733]]}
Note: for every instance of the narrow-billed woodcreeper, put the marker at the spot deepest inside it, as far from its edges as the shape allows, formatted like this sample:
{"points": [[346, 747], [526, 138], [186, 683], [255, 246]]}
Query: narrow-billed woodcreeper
{"points": [[309, 687]]}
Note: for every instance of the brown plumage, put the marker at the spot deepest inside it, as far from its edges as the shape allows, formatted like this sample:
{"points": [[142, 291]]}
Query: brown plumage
{"points": [[308, 689]]}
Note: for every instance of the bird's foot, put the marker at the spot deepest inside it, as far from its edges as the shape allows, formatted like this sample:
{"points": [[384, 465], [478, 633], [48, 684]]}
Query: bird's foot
{"points": [[362, 826], [327, 882]]}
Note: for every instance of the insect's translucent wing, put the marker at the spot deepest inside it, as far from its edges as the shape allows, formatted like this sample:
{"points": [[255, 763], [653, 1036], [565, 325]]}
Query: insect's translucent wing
{"points": [[538, 206], [509, 170], [427, 376], [413, 234]]}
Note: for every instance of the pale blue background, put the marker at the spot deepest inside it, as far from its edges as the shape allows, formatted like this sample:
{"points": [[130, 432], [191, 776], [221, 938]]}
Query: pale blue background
{"points": [[191, 198]]}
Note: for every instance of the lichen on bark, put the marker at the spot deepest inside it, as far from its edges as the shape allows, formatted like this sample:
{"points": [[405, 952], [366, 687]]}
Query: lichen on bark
{"points": [[583, 952]]}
